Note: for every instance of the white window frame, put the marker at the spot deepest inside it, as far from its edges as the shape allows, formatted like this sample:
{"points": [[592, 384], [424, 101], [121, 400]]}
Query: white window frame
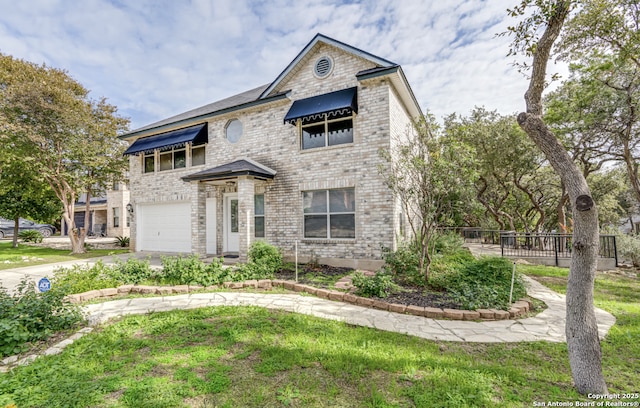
{"points": [[328, 215], [256, 216], [326, 122]]}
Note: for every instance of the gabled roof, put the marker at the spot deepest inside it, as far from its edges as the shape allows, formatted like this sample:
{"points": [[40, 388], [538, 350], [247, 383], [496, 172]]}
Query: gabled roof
{"points": [[242, 167], [269, 93], [320, 38]]}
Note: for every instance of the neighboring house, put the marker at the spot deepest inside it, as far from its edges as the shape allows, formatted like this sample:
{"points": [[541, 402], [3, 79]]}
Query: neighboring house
{"points": [[294, 162], [108, 213]]}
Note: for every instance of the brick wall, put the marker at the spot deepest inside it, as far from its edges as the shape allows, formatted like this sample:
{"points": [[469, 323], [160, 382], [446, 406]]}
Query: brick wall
{"points": [[267, 140]]}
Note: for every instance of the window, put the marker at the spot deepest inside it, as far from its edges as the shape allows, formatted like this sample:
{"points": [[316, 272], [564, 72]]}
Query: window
{"points": [[234, 131], [197, 155], [327, 133], [329, 213], [116, 217], [258, 212], [149, 160], [173, 159]]}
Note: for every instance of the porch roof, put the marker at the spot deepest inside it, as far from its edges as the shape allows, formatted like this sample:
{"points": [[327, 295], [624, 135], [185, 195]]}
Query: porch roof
{"points": [[242, 167]]}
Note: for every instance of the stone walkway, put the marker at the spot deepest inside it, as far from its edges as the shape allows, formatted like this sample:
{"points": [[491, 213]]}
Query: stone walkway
{"points": [[548, 325]]}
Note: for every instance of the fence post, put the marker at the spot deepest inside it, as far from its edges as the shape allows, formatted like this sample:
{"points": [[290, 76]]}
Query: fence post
{"points": [[501, 244], [556, 247], [615, 250]]}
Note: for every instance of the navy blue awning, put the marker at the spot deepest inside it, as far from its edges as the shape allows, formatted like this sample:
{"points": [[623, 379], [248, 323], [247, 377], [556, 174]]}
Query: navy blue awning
{"points": [[195, 134], [335, 105]]}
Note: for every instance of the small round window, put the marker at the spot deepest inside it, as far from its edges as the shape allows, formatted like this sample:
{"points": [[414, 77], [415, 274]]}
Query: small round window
{"points": [[234, 131], [323, 67]]}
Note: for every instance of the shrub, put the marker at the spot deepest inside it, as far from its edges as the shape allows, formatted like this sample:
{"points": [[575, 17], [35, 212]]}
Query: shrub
{"points": [[264, 260], [133, 271], [179, 270], [29, 315], [447, 242], [192, 271], [629, 247], [380, 285], [30, 236], [84, 277], [483, 283], [404, 263], [123, 241]]}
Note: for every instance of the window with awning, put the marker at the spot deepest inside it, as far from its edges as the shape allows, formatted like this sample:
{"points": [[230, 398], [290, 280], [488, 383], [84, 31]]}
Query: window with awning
{"points": [[196, 135], [331, 105]]}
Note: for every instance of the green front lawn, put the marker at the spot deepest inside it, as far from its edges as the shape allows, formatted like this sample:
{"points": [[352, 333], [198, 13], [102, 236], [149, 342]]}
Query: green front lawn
{"points": [[253, 357], [26, 255]]}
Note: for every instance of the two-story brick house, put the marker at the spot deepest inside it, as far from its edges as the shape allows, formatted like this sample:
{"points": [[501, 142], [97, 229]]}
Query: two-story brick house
{"points": [[294, 162]]}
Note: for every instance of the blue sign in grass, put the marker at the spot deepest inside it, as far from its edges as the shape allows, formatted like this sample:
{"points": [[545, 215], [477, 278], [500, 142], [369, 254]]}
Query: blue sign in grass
{"points": [[44, 284]]}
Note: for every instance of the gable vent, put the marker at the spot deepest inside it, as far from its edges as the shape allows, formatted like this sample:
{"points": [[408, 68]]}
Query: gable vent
{"points": [[323, 67]]}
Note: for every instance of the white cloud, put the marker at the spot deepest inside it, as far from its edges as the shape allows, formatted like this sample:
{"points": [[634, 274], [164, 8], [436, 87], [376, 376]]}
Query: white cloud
{"points": [[154, 59]]}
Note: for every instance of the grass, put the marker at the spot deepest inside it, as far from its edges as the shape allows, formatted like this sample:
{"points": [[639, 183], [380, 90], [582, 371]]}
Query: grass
{"points": [[253, 357], [26, 255]]}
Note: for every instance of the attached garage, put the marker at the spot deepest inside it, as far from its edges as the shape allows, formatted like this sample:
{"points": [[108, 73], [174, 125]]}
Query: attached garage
{"points": [[164, 227]]}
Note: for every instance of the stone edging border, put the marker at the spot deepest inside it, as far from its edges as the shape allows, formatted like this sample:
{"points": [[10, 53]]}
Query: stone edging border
{"points": [[518, 309]]}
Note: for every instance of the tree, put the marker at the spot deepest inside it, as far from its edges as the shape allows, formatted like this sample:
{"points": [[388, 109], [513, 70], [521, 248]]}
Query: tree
{"points": [[429, 175], [23, 193], [511, 181], [69, 138], [604, 39], [581, 327]]}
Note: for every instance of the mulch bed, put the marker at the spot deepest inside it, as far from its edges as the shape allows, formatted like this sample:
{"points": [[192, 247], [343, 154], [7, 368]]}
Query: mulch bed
{"points": [[409, 295]]}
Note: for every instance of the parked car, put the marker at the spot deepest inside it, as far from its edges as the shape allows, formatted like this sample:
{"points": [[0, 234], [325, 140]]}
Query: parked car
{"points": [[6, 227]]}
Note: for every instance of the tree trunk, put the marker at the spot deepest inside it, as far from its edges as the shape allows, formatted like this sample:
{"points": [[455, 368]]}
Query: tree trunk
{"points": [[16, 230], [581, 327], [562, 215]]}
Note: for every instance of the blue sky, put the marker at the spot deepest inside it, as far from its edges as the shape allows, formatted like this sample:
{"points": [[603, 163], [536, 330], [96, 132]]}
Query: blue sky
{"points": [[157, 58]]}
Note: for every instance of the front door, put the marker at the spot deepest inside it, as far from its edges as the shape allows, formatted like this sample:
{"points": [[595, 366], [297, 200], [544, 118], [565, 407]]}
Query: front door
{"points": [[231, 224]]}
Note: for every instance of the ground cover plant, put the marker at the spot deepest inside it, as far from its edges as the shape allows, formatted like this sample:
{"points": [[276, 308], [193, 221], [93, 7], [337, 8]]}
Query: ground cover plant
{"points": [[26, 255], [27, 316], [264, 259], [457, 279]]}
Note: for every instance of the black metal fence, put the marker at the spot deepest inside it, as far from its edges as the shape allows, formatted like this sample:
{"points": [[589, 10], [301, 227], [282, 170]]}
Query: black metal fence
{"points": [[482, 236], [529, 245]]}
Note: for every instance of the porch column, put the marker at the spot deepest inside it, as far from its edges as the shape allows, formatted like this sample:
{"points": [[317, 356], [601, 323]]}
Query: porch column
{"points": [[246, 190], [198, 218]]}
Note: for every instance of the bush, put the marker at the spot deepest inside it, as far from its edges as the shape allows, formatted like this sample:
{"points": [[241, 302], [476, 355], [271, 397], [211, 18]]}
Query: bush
{"points": [[179, 270], [404, 263], [447, 242], [133, 271], [629, 247], [380, 285], [483, 283], [123, 241], [30, 236], [192, 271], [29, 315], [84, 277], [264, 260]]}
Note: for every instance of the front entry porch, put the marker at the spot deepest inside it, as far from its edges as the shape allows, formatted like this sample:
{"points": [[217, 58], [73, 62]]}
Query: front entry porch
{"points": [[223, 207]]}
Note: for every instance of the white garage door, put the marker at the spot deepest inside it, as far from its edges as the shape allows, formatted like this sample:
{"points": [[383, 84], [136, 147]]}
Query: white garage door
{"points": [[164, 227]]}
